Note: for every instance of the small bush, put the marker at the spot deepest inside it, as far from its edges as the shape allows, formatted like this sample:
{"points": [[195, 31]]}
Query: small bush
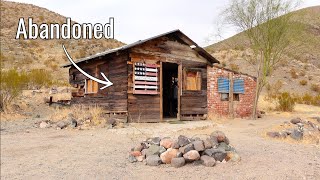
{"points": [[303, 82], [315, 88], [293, 73], [12, 83], [234, 67], [39, 78], [285, 102]]}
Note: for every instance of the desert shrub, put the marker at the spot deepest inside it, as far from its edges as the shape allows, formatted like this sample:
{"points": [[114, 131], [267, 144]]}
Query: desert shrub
{"points": [[234, 67], [39, 78], [308, 99], [293, 73], [303, 82], [12, 83], [315, 87], [285, 102]]}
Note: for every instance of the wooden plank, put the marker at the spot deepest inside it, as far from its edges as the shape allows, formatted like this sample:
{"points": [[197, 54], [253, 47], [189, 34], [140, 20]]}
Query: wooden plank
{"points": [[145, 87], [147, 82], [144, 78], [179, 90], [231, 113], [161, 93], [145, 92]]}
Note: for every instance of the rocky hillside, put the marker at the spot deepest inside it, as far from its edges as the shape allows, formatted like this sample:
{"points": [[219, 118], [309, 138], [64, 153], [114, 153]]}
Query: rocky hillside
{"points": [[41, 54], [299, 71]]}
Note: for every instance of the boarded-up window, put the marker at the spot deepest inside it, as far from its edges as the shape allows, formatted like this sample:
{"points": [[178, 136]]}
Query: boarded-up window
{"points": [[91, 86], [223, 85], [238, 86], [192, 80]]}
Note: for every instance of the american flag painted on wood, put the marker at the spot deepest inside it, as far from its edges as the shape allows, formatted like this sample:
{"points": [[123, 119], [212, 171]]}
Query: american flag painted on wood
{"points": [[145, 78]]}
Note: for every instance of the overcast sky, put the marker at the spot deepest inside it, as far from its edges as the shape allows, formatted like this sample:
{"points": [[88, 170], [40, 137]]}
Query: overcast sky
{"points": [[140, 19]]}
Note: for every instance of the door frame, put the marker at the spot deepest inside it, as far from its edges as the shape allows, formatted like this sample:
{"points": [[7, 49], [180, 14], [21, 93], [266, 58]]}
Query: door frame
{"points": [[179, 89]]}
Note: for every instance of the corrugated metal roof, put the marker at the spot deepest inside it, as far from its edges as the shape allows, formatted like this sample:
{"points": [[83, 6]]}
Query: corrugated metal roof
{"points": [[184, 38]]}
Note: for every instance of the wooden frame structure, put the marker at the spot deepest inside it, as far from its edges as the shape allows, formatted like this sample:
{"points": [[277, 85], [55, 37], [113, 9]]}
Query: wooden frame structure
{"points": [[137, 73]]}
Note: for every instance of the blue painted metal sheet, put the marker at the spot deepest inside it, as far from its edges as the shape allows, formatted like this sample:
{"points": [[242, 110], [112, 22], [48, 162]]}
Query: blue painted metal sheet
{"points": [[223, 85], [238, 86]]}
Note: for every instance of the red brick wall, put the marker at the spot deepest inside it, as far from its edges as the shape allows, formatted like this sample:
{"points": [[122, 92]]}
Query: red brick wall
{"points": [[243, 107]]}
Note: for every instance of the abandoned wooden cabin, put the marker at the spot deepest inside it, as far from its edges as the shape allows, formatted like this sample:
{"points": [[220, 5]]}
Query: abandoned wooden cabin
{"points": [[161, 77]]}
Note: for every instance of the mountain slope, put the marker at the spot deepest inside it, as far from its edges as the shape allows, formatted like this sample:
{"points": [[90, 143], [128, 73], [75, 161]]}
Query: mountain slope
{"points": [[41, 54], [300, 64]]}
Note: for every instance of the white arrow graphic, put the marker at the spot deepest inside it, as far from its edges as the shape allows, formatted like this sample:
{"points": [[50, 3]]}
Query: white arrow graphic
{"points": [[107, 83]]}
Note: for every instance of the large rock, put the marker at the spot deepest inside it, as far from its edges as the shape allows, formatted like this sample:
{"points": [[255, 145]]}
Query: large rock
{"points": [[155, 141], [296, 120], [225, 146], [162, 150], [232, 156], [153, 150], [178, 162], [140, 158], [135, 153], [186, 148], [207, 144], [219, 136], [132, 159], [73, 123], [213, 151], [198, 145], [62, 124], [44, 124], [208, 161], [296, 134], [175, 145], [167, 156], [274, 134], [192, 155], [138, 147], [220, 156], [183, 140], [166, 142], [153, 160]]}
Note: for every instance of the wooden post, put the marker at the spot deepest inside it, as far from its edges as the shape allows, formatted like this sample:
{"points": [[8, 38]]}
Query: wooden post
{"points": [[231, 114], [179, 90], [161, 94]]}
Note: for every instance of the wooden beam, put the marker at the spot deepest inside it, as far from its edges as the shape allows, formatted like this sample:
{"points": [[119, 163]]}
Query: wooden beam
{"points": [[179, 90], [231, 113], [161, 93]]}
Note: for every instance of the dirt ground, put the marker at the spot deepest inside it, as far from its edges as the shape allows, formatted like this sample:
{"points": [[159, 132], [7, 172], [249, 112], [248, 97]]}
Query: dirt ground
{"points": [[28, 152]]}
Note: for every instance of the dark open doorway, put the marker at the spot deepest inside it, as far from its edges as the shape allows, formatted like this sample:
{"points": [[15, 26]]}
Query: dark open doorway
{"points": [[170, 90]]}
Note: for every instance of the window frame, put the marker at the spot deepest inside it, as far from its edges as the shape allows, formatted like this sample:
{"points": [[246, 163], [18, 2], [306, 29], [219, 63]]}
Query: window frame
{"points": [[198, 79], [93, 83]]}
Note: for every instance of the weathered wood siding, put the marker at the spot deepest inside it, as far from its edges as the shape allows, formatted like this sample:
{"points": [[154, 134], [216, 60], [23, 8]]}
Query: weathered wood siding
{"points": [[146, 108], [194, 103], [113, 98]]}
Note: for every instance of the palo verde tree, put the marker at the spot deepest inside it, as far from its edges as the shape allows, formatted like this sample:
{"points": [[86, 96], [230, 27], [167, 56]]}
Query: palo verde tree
{"points": [[268, 26]]}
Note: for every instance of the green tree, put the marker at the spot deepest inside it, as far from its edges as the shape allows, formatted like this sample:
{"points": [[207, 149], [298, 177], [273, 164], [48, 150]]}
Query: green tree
{"points": [[269, 27]]}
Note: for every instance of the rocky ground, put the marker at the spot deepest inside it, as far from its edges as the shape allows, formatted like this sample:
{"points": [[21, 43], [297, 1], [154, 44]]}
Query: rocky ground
{"points": [[30, 152]]}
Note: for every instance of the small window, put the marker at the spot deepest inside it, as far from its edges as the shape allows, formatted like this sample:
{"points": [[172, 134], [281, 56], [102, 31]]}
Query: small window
{"points": [[224, 96], [91, 86], [236, 97], [192, 80]]}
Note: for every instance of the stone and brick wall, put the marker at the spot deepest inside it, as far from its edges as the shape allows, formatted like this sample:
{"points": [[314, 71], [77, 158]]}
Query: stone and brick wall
{"points": [[243, 107]]}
